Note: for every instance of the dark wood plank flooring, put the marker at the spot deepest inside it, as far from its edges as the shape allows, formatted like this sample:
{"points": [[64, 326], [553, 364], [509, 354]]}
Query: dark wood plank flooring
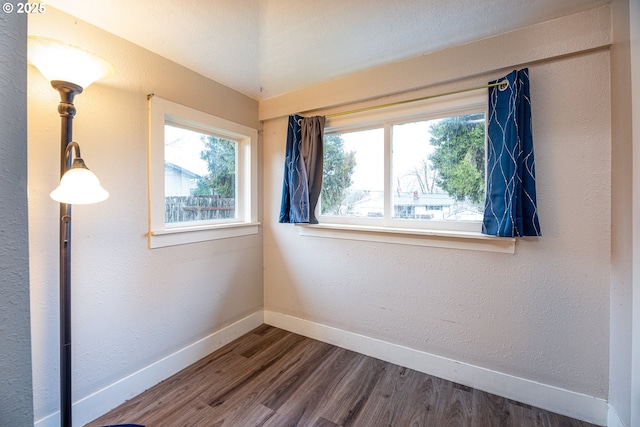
{"points": [[274, 378]]}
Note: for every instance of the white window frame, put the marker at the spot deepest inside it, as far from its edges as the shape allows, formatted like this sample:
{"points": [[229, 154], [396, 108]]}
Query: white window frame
{"points": [[452, 234], [163, 112]]}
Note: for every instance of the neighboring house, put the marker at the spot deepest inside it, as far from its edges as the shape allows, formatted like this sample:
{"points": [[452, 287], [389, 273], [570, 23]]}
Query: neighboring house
{"points": [[438, 206], [414, 205], [371, 204], [179, 181]]}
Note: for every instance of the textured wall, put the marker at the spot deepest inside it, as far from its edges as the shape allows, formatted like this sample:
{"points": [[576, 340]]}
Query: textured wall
{"points": [[16, 404], [541, 314], [131, 306]]}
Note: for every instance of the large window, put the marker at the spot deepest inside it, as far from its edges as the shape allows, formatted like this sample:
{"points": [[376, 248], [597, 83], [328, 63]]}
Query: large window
{"points": [[418, 166], [202, 176]]}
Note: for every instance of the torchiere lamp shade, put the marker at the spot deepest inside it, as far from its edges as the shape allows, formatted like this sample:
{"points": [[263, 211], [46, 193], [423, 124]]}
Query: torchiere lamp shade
{"points": [[57, 60]]}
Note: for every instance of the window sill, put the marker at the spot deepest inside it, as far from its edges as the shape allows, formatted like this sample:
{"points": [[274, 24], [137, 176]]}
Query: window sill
{"points": [[434, 238], [186, 235]]}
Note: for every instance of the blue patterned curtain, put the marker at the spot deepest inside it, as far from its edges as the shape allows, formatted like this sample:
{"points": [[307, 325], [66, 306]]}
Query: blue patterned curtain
{"points": [[302, 169], [510, 206]]}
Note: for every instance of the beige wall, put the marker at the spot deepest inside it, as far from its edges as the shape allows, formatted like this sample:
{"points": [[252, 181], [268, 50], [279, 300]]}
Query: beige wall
{"points": [[132, 307], [541, 314]]}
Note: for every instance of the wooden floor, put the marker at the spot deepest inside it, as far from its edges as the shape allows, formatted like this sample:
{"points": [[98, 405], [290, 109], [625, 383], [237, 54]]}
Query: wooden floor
{"points": [[274, 378]]}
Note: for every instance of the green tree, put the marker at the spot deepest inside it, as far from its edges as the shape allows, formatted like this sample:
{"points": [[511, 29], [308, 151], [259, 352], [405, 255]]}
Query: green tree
{"points": [[203, 188], [220, 155], [459, 156], [336, 175]]}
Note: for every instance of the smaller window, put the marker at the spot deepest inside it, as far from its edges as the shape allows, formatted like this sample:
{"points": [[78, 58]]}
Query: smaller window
{"points": [[202, 180]]}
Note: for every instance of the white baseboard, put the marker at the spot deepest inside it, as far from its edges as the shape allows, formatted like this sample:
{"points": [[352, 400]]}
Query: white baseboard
{"points": [[613, 419], [102, 401], [554, 399]]}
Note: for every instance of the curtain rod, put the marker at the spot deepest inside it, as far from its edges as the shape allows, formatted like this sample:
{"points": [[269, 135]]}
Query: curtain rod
{"points": [[504, 84]]}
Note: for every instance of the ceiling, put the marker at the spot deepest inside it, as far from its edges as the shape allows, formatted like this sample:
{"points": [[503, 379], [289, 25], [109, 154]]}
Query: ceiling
{"points": [[265, 48]]}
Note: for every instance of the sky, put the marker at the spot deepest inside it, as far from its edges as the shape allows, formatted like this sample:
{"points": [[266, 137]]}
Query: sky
{"points": [[182, 147], [411, 146]]}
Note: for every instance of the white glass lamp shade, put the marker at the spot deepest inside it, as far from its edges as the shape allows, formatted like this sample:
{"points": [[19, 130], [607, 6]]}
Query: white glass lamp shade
{"points": [[57, 60], [79, 186]]}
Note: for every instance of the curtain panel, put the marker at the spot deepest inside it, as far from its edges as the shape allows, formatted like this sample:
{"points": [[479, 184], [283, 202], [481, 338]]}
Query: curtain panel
{"points": [[303, 165], [510, 205]]}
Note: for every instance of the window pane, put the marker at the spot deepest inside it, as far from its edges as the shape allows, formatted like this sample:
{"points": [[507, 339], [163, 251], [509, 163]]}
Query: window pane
{"points": [[199, 176], [438, 169], [353, 176]]}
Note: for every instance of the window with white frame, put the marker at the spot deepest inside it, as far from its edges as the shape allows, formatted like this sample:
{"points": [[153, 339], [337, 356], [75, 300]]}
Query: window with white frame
{"points": [[202, 176], [418, 166]]}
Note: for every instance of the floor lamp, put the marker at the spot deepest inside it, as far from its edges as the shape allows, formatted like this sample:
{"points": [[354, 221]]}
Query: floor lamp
{"points": [[69, 69]]}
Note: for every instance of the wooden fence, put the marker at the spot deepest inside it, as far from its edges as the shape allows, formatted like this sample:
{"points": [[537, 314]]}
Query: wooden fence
{"points": [[197, 208]]}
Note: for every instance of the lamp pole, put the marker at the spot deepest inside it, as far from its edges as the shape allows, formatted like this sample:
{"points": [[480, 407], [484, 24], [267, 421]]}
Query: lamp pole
{"points": [[67, 111]]}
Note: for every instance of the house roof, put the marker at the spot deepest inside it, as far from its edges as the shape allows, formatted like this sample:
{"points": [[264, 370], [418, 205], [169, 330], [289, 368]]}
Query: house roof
{"points": [[168, 166]]}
